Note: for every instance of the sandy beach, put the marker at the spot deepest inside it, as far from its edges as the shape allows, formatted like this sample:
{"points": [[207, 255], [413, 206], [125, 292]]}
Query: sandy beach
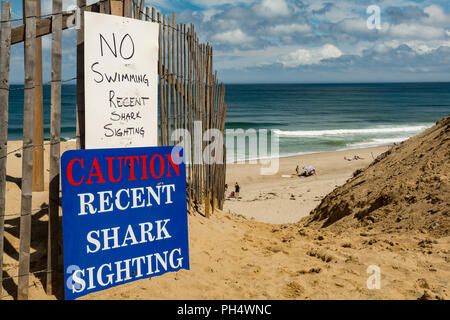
{"points": [[285, 197], [255, 249], [352, 100]]}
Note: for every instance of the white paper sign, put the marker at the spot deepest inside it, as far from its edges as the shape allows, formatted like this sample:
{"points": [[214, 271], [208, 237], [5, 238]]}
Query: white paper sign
{"points": [[121, 82]]}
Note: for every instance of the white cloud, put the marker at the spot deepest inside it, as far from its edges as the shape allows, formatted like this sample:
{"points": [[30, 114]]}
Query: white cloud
{"points": [[233, 37], [289, 28], [338, 12], [315, 6], [272, 8], [436, 15], [354, 26], [416, 31], [213, 3], [46, 5], [420, 47], [208, 14], [241, 59], [308, 56]]}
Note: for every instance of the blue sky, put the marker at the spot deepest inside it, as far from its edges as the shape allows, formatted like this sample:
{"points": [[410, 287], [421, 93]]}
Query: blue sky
{"points": [[304, 41]]}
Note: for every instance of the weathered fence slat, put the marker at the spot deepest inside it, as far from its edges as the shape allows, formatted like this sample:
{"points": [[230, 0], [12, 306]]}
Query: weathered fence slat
{"points": [[189, 107], [55, 139], [147, 14], [198, 118], [141, 10], [27, 157], [169, 82], [177, 78], [80, 78], [161, 80], [107, 7], [5, 52], [164, 81], [38, 136], [127, 9], [102, 6], [135, 9], [116, 7], [195, 115], [197, 105], [207, 127]]}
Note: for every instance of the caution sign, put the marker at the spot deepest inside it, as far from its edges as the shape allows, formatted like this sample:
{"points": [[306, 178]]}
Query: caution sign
{"points": [[124, 216]]}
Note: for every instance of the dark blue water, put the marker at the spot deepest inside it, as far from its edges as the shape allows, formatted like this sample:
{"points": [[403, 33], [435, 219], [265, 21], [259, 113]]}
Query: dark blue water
{"points": [[68, 114], [306, 118]]}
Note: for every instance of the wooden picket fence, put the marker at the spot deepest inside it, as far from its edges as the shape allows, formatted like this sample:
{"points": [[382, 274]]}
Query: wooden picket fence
{"points": [[189, 93]]}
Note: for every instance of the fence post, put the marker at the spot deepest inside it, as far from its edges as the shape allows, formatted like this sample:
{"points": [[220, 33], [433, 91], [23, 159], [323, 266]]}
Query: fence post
{"points": [[27, 158], [80, 78], [116, 7], [141, 10], [102, 6], [127, 9], [38, 136], [5, 51], [161, 79], [55, 139], [169, 82]]}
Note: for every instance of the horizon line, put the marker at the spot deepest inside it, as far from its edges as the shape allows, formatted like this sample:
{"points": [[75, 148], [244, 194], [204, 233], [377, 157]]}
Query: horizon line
{"points": [[306, 83]]}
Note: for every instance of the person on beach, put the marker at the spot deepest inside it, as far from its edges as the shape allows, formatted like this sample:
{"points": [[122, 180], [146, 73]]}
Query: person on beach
{"points": [[354, 158], [297, 170], [237, 189], [308, 171]]}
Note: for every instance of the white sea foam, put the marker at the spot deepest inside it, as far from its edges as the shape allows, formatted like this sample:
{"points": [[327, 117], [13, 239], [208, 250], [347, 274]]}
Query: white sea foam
{"points": [[240, 157], [337, 132], [375, 143]]}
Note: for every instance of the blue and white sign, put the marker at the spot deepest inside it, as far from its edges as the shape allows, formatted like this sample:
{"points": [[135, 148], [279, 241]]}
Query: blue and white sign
{"points": [[124, 216]]}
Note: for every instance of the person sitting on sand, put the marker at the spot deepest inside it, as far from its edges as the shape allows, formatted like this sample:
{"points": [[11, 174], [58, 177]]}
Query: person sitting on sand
{"points": [[305, 173], [354, 158], [309, 171]]}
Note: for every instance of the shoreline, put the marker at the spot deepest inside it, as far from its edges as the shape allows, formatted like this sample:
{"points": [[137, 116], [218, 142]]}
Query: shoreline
{"points": [[285, 198], [313, 152]]}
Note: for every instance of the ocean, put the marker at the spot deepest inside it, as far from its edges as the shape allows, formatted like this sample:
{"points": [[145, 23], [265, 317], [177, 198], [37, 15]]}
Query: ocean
{"points": [[310, 118], [307, 118], [68, 112]]}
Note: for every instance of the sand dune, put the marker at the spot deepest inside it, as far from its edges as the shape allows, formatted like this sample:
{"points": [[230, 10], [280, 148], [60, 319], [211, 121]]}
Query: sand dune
{"points": [[407, 187]]}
